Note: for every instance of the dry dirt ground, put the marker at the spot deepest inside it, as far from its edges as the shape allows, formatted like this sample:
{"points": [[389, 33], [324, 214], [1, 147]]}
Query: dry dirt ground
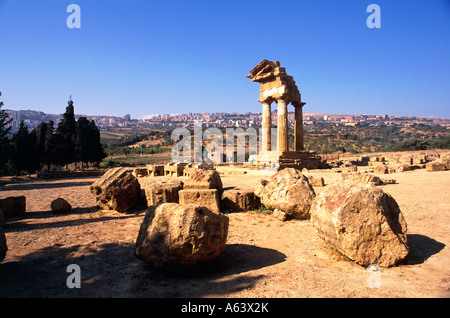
{"points": [[264, 257]]}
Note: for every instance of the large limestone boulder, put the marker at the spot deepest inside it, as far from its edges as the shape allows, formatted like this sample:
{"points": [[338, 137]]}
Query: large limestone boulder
{"points": [[13, 206], [288, 190], [2, 218], [362, 222], [3, 246], [60, 206], [117, 190], [180, 235]]}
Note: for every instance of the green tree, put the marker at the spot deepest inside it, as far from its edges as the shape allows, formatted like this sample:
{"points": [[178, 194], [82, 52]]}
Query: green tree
{"points": [[56, 150], [46, 151], [83, 138], [443, 143], [411, 144], [88, 145], [67, 130], [97, 151], [41, 137], [24, 155], [5, 129]]}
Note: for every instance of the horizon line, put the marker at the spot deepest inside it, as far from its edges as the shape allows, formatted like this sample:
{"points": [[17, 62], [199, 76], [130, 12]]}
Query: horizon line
{"points": [[197, 113]]}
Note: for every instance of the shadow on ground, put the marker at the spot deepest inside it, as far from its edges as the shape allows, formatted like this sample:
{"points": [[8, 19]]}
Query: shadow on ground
{"points": [[21, 224], [112, 270], [421, 247], [50, 184]]}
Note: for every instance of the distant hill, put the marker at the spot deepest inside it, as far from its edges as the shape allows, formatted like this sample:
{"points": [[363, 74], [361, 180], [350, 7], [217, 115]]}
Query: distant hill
{"points": [[110, 123]]}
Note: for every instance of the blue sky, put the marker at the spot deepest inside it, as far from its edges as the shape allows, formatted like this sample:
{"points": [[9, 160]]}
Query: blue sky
{"points": [[143, 57]]}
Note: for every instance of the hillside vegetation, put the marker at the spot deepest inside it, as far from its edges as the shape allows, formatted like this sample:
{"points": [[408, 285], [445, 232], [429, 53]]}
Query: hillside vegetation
{"points": [[132, 148]]}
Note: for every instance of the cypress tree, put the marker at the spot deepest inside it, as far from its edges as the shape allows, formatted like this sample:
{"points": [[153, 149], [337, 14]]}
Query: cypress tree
{"points": [[88, 146], [47, 145], [41, 138], [83, 139], [67, 130], [23, 154], [98, 153], [4, 131], [55, 151]]}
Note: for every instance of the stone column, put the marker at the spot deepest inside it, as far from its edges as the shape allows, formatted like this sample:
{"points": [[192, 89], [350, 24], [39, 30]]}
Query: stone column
{"points": [[266, 127], [298, 127], [283, 141]]}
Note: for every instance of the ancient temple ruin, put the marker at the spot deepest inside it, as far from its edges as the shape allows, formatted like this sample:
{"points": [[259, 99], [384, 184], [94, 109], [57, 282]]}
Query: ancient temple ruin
{"points": [[277, 86]]}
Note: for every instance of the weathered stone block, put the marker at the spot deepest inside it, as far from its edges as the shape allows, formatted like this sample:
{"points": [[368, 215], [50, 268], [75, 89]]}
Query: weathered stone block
{"points": [[204, 197], [238, 200], [155, 170], [419, 160], [280, 215], [436, 166], [362, 222], [204, 179], [445, 156], [406, 160], [140, 172], [388, 181], [288, 190], [402, 167], [177, 235], [381, 169], [316, 181], [188, 171], [3, 246], [352, 169], [13, 206], [174, 169], [2, 218], [163, 190], [117, 190], [362, 177]]}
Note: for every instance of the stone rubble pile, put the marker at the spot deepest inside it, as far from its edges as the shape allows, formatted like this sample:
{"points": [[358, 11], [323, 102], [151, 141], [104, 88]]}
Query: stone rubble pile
{"points": [[395, 163], [184, 224]]}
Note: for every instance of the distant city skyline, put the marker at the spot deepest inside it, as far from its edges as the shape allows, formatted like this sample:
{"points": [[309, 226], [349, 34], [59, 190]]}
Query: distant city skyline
{"points": [[33, 118], [150, 116], [174, 57]]}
